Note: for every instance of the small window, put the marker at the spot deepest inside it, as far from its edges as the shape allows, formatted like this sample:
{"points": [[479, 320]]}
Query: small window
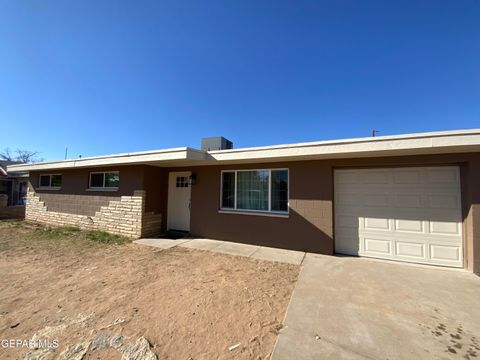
{"points": [[96, 180], [56, 180], [182, 181], [50, 181], [255, 190], [112, 180], [104, 180], [44, 180], [228, 190], [279, 189]]}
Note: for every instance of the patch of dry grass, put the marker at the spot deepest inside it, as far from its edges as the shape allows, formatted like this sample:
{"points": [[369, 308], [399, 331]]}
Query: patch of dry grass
{"points": [[34, 237]]}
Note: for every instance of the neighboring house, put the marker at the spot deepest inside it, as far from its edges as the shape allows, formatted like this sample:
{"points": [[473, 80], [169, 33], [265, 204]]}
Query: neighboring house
{"points": [[13, 184], [13, 191], [412, 198]]}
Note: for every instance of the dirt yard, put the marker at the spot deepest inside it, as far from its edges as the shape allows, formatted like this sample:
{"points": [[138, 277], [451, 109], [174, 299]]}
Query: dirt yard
{"points": [[100, 296]]}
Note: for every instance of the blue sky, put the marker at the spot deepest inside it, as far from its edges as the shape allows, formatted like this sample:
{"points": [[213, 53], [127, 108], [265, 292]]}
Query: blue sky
{"points": [[114, 76]]}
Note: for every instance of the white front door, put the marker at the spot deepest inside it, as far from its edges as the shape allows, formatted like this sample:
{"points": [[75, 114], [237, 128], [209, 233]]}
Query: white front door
{"points": [[409, 214], [178, 217]]}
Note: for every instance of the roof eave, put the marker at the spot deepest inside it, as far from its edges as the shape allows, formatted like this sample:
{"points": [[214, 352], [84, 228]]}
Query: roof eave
{"points": [[467, 142], [426, 143], [163, 156]]}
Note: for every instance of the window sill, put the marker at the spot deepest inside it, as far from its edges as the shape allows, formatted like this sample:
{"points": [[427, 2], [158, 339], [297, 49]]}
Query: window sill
{"points": [[49, 188], [102, 189], [257, 213]]}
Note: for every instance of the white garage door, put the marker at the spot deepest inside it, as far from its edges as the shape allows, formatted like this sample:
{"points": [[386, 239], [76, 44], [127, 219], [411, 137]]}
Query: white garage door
{"points": [[408, 214]]}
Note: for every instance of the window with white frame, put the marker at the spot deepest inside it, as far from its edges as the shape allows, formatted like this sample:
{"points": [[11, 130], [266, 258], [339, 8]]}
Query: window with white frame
{"points": [[104, 180], [263, 190], [50, 181]]}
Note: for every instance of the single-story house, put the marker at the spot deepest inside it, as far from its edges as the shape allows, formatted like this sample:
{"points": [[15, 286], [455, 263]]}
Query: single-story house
{"points": [[13, 191], [13, 184], [413, 198]]}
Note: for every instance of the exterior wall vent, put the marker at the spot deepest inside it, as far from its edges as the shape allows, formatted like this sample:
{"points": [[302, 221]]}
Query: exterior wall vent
{"points": [[216, 143]]}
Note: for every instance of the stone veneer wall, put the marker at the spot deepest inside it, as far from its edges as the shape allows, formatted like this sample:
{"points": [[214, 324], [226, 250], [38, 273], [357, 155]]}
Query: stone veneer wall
{"points": [[125, 216]]}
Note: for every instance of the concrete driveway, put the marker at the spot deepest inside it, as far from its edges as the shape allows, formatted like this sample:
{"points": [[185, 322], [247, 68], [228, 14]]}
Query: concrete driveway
{"points": [[356, 308]]}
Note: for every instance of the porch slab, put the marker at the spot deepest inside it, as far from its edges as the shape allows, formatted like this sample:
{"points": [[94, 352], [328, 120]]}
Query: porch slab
{"points": [[238, 249], [161, 243], [230, 248], [202, 244], [280, 255], [252, 251]]}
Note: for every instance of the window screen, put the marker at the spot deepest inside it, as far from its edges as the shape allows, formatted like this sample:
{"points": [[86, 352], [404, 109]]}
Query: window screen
{"points": [[228, 190], [257, 190]]}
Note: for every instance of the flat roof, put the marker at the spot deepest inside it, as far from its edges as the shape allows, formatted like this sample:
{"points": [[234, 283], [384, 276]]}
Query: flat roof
{"points": [[439, 142]]}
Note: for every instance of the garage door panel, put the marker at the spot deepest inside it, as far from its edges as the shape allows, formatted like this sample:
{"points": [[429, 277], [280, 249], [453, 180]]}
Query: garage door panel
{"points": [[444, 228], [402, 213], [424, 238], [413, 214], [376, 224], [348, 199], [436, 201], [444, 253], [408, 200], [407, 177], [411, 250], [375, 199], [443, 175], [347, 177], [375, 177], [348, 234], [377, 246], [415, 226], [347, 221]]}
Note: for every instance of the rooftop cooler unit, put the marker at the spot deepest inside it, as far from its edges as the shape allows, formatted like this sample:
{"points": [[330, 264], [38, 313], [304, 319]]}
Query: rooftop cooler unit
{"points": [[216, 143]]}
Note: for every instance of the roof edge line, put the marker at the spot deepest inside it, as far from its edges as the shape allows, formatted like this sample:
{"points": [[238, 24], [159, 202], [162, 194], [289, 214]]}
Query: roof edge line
{"points": [[425, 135]]}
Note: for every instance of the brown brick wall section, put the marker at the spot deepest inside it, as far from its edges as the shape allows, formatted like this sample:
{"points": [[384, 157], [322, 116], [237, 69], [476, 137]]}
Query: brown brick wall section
{"points": [[75, 204], [151, 224], [75, 181], [3, 200], [12, 212], [125, 216]]}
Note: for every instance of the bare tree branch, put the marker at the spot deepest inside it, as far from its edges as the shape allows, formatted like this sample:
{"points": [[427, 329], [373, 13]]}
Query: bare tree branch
{"points": [[6, 155], [24, 156]]}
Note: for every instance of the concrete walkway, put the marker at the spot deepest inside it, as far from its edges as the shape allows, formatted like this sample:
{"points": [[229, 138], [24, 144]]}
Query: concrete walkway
{"points": [[356, 308], [231, 248]]}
